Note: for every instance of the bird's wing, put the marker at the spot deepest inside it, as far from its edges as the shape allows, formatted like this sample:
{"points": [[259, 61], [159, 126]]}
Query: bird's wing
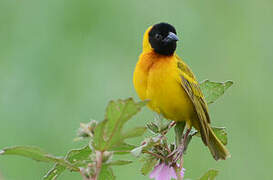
{"points": [[191, 86]]}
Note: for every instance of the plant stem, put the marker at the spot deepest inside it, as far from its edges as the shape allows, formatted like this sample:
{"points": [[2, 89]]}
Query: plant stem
{"points": [[169, 127], [154, 154], [177, 171], [99, 156], [99, 163]]}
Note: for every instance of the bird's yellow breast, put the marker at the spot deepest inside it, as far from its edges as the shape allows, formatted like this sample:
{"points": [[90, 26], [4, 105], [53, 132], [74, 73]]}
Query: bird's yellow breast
{"points": [[157, 78]]}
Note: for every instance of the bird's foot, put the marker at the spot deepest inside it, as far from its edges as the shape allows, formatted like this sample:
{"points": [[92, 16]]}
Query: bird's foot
{"points": [[177, 153]]}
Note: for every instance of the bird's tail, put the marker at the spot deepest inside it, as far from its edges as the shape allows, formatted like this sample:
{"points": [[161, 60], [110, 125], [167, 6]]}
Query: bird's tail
{"points": [[216, 147]]}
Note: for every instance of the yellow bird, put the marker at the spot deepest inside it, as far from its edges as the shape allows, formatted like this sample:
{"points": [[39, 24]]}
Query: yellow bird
{"points": [[170, 86]]}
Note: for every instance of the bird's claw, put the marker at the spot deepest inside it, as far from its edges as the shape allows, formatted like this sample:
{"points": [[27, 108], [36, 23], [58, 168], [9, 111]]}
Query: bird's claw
{"points": [[177, 154]]}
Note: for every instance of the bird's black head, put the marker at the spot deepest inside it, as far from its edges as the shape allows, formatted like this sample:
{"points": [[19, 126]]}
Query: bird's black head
{"points": [[162, 38]]}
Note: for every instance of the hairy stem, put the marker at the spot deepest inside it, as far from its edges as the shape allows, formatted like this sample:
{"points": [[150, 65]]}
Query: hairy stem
{"points": [[155, 155], [99, 156], [177, 171]]}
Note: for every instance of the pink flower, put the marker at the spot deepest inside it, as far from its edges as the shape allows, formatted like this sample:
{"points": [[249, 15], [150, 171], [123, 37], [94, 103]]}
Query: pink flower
{"points": [[164, 172]]}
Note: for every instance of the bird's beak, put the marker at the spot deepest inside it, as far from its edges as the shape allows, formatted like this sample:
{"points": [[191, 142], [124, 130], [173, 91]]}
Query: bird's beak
{"points": [[171, 37]]}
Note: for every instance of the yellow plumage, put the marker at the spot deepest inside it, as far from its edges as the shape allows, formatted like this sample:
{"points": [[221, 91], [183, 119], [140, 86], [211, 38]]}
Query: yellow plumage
{"points": [[172, 90]]}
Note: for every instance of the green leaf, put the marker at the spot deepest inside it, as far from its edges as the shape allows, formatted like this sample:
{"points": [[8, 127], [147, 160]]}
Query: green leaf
{"points": [[37, 154], [135, 132], [122, 148], [153, 127], [63, 162], [137, 151], [106, 173], [119, 162], [210, 175], [77, 157], [98, 138], [146, 145], [213, 90], [108, 133], [32, 152], [148, 165], [179, 129], [220, 132], [161, 123], [54, 172]]}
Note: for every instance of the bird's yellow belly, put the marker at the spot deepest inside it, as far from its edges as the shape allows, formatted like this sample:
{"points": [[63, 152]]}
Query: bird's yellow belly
{"points": [[166, 94]]}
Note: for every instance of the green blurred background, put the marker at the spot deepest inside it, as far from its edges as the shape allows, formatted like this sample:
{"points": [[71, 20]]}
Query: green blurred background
{"points": [[62, 61]]}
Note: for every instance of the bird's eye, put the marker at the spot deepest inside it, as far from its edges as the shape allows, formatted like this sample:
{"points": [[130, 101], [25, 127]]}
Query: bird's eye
{"points": [[158, 37]]}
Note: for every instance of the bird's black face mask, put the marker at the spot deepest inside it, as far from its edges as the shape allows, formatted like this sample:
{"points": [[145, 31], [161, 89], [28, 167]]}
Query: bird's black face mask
{"points": [[162, 38]]}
